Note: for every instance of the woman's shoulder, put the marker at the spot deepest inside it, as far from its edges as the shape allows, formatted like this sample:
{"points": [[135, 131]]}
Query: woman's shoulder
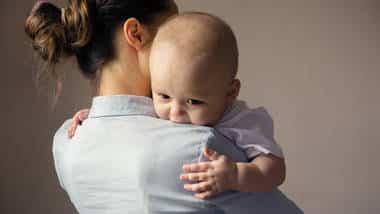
{"points": [[61, 135], [60, 145]]}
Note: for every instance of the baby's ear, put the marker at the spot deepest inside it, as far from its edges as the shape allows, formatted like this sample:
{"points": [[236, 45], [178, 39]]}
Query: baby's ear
{"points": [[234, 90]]}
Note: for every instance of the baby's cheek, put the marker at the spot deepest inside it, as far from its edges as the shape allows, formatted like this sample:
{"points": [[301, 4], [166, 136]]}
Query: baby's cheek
{"points": [[161, 111], [201, 118], [212, 116]]}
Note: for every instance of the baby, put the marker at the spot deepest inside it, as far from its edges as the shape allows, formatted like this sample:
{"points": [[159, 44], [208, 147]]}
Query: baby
{"points": [[193, 66]]}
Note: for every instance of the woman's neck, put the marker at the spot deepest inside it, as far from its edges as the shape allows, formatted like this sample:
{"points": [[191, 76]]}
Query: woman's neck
{"points": [[115, 80]]}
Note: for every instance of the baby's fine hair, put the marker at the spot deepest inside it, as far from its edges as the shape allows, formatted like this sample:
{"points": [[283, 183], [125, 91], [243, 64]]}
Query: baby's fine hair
{"points": [[202, 32]]}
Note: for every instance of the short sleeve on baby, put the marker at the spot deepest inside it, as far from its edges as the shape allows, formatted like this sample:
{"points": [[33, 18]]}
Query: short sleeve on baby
{"points": [[250, 129]]}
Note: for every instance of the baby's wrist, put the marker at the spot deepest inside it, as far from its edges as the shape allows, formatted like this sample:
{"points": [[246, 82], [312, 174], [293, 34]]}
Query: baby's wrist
{"points": [[239, 181], [239, 176], [247, 177], [233, 178]]}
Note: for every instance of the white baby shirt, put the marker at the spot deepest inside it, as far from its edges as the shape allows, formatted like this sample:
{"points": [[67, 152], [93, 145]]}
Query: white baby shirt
{"points": [[250, 129]]}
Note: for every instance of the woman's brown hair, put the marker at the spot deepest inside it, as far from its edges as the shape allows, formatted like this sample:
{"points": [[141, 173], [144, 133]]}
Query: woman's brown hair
{"points": [[84, 29]]}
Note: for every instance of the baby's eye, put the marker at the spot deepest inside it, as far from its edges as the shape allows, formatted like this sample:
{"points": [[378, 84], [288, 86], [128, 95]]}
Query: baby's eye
{"points": [[194, 102], [163, 96]]}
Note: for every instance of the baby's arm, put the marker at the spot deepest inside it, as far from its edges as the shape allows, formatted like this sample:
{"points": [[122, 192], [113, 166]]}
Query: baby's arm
{"points": [[220, 174], [252, 131], [255, 133], [262, 174]]}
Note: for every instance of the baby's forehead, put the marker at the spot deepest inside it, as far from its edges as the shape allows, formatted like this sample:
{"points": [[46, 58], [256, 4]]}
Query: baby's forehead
{"points": [[188, 49], [189, 44]]}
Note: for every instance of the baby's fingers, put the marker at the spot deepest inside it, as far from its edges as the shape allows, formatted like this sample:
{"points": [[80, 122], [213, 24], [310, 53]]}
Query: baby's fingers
{"points": [[70, 132], [211, 154], [199, 187], [72, 128], [196, 167], [77, 120], [82, 114], [194, 177], [204, 195]]}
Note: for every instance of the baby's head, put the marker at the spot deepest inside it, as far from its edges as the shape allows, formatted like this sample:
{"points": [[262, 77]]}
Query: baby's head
{"points": [[193, 65]]}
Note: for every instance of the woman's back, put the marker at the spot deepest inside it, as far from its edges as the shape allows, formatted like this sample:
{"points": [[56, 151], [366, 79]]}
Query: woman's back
{"points": [[121, 160]]}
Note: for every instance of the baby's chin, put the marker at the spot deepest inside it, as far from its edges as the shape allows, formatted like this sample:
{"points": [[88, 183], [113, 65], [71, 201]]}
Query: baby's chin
{"points": [[203, 122], [188, 120], [193, 122]]}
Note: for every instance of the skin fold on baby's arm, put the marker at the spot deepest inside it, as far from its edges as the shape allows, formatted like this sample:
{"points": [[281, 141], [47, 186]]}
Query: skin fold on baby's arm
{"points": [[264, 173]]}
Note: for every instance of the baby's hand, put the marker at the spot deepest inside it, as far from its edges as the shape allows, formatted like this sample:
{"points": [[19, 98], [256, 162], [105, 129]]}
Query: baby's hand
{"points": [[77, 120], [212, 177]]}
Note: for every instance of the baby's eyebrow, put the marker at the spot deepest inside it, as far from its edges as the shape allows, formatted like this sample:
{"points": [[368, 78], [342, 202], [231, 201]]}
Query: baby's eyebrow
{"points": [[159, 92], [199, 97], [199, 92]]}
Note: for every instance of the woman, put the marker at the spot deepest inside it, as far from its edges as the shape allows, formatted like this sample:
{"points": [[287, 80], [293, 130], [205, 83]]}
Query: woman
{"points": [[115, 164], [93, 32]]}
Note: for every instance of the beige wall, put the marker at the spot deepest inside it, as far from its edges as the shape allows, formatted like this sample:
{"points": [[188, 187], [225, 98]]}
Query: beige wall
{"points": [[313, 64], [316, 66]]}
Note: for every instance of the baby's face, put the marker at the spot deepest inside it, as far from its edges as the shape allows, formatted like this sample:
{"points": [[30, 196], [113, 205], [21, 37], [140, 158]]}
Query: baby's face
{"points": [[189, 89]]}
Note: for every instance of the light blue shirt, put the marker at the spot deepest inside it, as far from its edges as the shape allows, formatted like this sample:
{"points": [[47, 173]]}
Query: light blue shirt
{"points": [[123, 160]]}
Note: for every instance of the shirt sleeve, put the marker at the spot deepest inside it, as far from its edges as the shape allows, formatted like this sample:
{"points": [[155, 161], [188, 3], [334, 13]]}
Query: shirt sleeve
{"points": [[251, 130]]}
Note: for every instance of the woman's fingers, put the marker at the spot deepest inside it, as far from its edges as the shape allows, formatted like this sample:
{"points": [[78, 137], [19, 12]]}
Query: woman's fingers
{"points": [[196, 167], [194, 177]]}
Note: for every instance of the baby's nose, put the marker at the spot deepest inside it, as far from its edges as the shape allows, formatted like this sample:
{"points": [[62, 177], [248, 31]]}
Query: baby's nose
{"points": [[178, 114]]}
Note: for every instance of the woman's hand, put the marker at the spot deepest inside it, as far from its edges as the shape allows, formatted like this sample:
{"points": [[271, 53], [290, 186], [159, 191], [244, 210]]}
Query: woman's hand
{"points": [[212, 177], [78, 118]]}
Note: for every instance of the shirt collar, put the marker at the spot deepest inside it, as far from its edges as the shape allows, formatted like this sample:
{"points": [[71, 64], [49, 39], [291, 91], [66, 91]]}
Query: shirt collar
{"points": [[121, 105]]}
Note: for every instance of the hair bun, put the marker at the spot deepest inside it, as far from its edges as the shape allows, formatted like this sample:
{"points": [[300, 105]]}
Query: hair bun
{"points": [[56, 32], [76, 21], [45, 28]]}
